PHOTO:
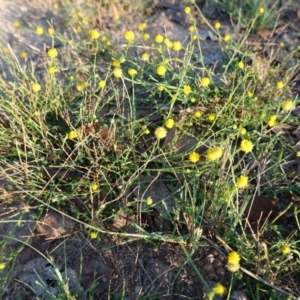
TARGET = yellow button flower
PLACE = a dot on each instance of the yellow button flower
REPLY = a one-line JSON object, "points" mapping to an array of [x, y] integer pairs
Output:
{"points": [[177, 46], [35, 87], [246, 146], [160, 132], [280, 85], [132, 72], [94, 187], [219, 289], [93, 235], [129, 36], [217, 25], [52, 53], [285, 250], [169, 123], [159, 39], [118, 73], [187, 89], [214, 154], [94, 34], [39, 30], [194, 157], [161, 70], [72, 135], [288, 105], [204, 81], [242, 182]]}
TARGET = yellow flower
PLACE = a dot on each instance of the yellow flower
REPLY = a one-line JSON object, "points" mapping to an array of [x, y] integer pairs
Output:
{"points": [[72, 135], [94, 187], [168, 43], [159, 39], [272, 121], [243, 131], [226, 38], [142, 26], [169, 123], [250, 94], [102, 83], [146, 36], [51, 70], [204, 81], [149, 201], [242, 182], [79, 15], [187, 89], [285, 250], [194, 157], [55, 5], [281, 44], [233, 258], [129, 36], [145, 129], [280, 85], [197, 114], [187, 10], [70, 42], [93, 235], [233, 267], [23, 54], [298, 154], [161, 70], [211, 117], [193, 99], [160, 132], [17, 23], [214, 154], [78, 28], [160, 88], [261, 10], [241, 65], [118, 72], [177, 46], [217, 25], [195, 37], [94, 34], [2, 266], [246, 146], [116, 17], [50, 31], [219, 289], [132, 72], [52, 53], [288, 105], [145, 57], [116, 63], [39, 30], [192, 28], [36, 87]]}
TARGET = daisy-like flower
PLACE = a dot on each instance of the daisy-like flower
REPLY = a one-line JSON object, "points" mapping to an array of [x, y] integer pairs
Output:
{"points": [[194, 157], [94, 34], [51, 70], [279, 85], [187, 89], [39, 30], [118, 72], [72, 135], [149, 201], [226, 38], [145, 57], [177, 46], [93, 235], [102, 83], [218, 25], [242, 182], [241, 65], [197, 114], [129, 36], [219, 289], [169, 123], [233, 260], [214, 154], [52, 53], [161, 70], [132, 72], [272, 121], [94, 187], [35, 87], [204, 81], [285, 250], [211, 117], [187, 10], [288, 105], [246, 146], [146, 36], [159, 39], [142, 26], [160, 132]]}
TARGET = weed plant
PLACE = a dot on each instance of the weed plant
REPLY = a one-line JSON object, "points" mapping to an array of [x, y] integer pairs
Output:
{"points": [[96, 115]]}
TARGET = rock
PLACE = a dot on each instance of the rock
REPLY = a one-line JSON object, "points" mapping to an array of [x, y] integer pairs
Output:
{"points": [[238, 295], [157, 278], [54, 225]]}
